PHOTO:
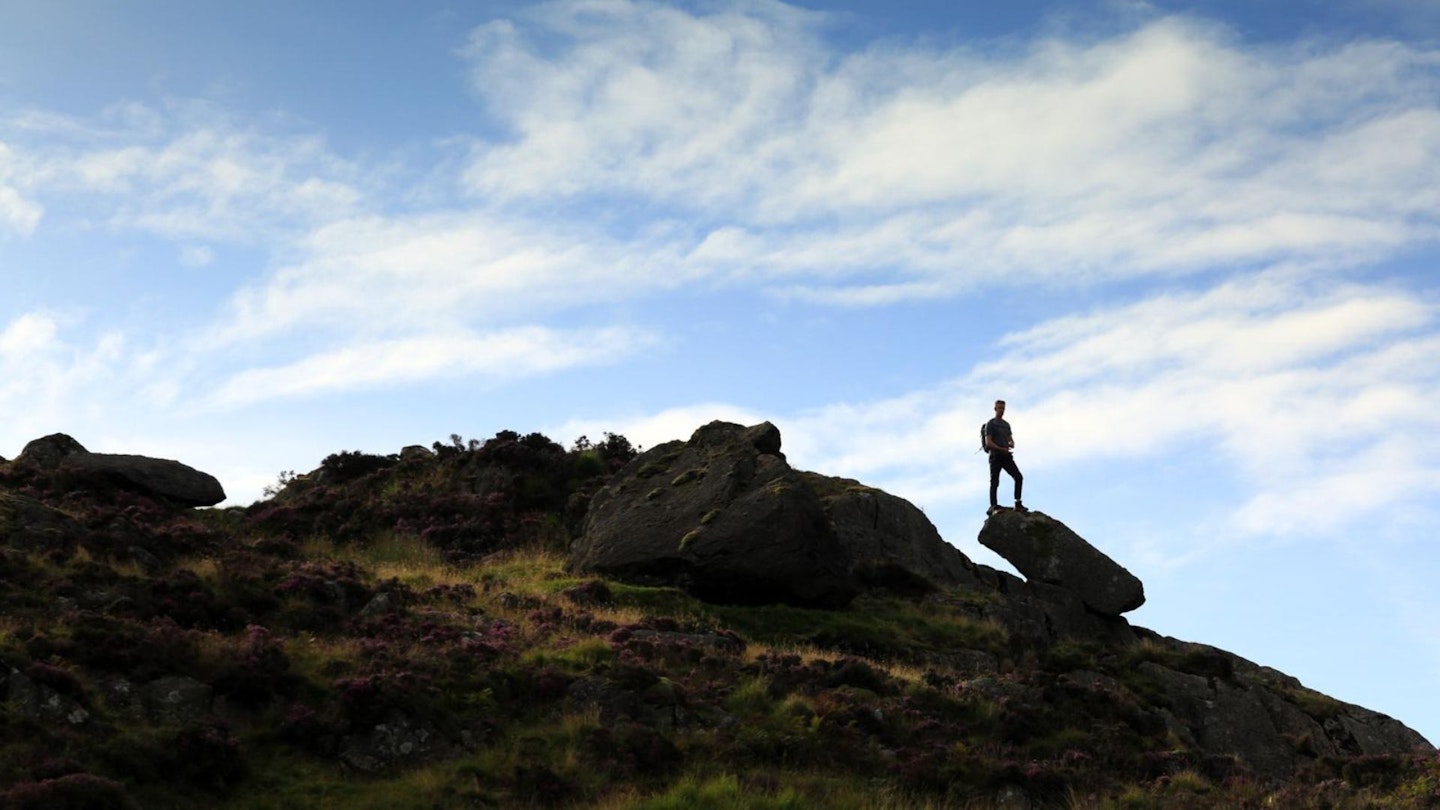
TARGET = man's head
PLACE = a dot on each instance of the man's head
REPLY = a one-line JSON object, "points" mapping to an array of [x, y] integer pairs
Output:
{"points": [[999, 407]]}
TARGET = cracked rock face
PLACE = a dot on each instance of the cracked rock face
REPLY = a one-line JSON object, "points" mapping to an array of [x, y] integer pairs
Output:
{"points": [[721, 515], [1046, 550], [725, 516]]}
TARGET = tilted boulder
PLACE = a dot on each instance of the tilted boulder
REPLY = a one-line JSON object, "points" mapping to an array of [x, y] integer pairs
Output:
{"points": [[722, 515], [156, 476], [1044, 549]]}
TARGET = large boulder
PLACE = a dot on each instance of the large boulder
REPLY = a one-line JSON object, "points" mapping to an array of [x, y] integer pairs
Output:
{"points": [[722, 515], [727, 517], [1044, 549], [156, 476], [888, 538]]}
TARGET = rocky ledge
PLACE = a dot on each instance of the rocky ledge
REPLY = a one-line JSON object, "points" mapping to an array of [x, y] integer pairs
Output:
{"points": [[160, 477]]}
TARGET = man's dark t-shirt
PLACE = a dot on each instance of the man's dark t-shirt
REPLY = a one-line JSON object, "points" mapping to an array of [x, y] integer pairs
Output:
{"points": [[999, 432]]}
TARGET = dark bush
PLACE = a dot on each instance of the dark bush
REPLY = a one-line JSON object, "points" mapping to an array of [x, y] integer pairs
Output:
{"points": [[208, 756], [76, 791], [62, 681], [344, 467]]}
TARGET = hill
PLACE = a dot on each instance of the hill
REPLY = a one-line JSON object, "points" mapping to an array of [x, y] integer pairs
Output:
{"points": [[419, 630]]}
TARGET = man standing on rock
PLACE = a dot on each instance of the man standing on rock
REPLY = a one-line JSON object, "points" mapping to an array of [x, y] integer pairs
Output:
{"points": [[1000, 444]]}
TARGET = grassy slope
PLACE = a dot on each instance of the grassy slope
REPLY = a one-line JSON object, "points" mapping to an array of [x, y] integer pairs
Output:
{"points": [[490, 648]]}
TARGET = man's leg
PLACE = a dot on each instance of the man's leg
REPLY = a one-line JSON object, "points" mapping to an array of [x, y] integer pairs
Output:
{"points": [[1014, 473], [995, 465]]}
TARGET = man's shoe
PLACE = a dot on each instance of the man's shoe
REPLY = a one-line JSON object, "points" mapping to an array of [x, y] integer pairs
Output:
{"points": [[1020, 507], [992, 510]]}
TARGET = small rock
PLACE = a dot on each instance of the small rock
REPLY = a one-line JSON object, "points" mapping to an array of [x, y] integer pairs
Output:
{"points": [[398, 738], [48, 451], [379, 605], [177, 699]]}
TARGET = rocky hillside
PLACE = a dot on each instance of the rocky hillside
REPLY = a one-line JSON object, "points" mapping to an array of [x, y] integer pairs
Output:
{"points": [[512, 623]]}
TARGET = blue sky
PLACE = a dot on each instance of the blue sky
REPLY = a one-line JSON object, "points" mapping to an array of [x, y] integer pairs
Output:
{"points": [[1193, 245]]}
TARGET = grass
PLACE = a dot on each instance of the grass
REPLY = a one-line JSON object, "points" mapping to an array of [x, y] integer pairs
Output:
{"points": [[880, 628], [786, 723]]}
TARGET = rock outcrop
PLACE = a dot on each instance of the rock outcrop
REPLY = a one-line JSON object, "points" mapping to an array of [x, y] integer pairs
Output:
{"points": [[156, 476], [722, 515], [28, 525], [1044, 549], [888, 539], [725, 516]]}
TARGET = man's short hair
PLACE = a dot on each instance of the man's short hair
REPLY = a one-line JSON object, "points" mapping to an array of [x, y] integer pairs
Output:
{"points": [[999, 402]]}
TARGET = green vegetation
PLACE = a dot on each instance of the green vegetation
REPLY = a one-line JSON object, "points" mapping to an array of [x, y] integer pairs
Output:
{"points": [[403, 632]]}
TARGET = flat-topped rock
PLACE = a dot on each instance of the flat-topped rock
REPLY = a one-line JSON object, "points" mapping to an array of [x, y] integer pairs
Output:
{"points": [[157, 476]]}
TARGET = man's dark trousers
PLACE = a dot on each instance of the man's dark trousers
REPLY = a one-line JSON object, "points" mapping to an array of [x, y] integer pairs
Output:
{"points": [[1000, 460]]}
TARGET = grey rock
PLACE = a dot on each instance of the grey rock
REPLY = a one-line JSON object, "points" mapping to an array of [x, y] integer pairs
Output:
{"points": [[39, 702], [145, 559], [880, 531], [157, 476], [388, 744], [724, 516], [416, 452], [30, 526], [972, 662], [398, 739], [1359, 730], [721, 517], [731, 645], [176, 699], [1044, 549], [1249, 717], [120, 696], [379, 605], [47, 452]]}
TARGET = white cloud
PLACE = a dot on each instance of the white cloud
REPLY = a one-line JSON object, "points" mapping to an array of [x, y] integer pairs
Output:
{"points": [[1318, 396], [379, 274], [1162, 150], [502, 355], [51, 381], [186, 171], [649, 148], [196, 255], [17, 213], [648, 430], [26, 337]]}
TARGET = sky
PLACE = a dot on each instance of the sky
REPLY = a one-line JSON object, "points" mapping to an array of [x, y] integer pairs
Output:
{"points": [[1194, 245]]}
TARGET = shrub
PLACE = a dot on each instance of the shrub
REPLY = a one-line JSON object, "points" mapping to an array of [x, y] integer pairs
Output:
{"points": [[207, 755], [76, 791], [344, 467]]}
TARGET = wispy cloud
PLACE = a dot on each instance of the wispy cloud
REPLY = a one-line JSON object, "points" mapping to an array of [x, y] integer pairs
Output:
{"points": [[185, 170], [1316, 395], [17, 214], [51, 379], [639, 148], [647, 430], [383, 274], [507, 354], [1164, 149]]}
